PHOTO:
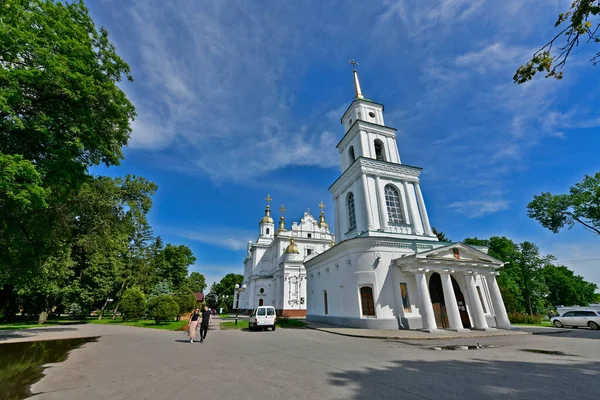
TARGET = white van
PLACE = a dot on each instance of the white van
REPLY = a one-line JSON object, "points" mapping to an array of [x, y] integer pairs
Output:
{"points": [[262, 317]]}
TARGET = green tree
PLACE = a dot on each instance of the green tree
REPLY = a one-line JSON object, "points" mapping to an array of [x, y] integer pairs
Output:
{"points": [[196, 282], [186, 301], [529, 276], [580, 206], [580, 22], [133, 303], [441, 235], [162, 287], [225, 287], [61, 112], [174, 264], [163, 308], [567, 289]]}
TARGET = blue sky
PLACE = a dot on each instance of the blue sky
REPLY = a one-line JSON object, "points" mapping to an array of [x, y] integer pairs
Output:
{"points": [[240, 99]]}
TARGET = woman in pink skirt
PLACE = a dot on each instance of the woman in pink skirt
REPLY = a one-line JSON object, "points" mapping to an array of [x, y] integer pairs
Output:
{"points": [[193, 323]]}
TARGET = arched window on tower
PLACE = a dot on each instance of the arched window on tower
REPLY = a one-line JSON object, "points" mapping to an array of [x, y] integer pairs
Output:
{"points": [[379, 153], [351, 212], [351, 154], [394, 205], [268, 231]]}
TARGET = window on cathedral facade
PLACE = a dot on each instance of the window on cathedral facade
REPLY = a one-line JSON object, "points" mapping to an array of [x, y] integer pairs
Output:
{"points": [[326, 306], [366, 300], [268, 231], [379, 150], [351, 212], [351, 154], [394, 205]]}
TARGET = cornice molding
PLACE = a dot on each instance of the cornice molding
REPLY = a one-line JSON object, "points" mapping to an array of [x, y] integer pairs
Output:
{"points": [[369, 127], [369, 166]]}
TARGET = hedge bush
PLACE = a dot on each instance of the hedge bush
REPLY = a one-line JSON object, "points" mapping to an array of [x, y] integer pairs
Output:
{"points": [[186, 301], [163, 308], [522, 318], [133, 303]]}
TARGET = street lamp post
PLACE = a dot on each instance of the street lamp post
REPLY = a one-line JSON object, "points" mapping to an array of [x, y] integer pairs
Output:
{"points": [[238, 290]]}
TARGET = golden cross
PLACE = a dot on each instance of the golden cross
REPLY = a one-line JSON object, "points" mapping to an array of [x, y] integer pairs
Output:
{"points": [[322, 206], [354, 63], [282, 209], [268, 199]]}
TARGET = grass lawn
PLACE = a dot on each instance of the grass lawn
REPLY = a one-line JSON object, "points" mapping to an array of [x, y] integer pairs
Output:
{"points": [[242, 324], [545, 324], [226, 316], [140, 323], [290, 323]]}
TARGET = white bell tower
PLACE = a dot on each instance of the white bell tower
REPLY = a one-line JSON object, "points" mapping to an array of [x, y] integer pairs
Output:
{"points": [[376, 195]]}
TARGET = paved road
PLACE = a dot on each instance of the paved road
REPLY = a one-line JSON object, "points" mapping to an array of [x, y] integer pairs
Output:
{"points": [[133, 363]]}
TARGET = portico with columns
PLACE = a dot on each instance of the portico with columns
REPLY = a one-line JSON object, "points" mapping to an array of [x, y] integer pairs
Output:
{"points": [[471, 296], [388, 270]]}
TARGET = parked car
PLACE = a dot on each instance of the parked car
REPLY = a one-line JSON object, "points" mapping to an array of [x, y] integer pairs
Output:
{"points": [[262, 317], [577, 319]]}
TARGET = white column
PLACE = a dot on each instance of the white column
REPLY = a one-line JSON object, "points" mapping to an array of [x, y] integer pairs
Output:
{"points": [[412, 208], [364, 144], [383, 217], [425, 308], [359, 206], [451, 304], [501, 315], [369, 209], [341, 219], [476, 308], [423, 210]]}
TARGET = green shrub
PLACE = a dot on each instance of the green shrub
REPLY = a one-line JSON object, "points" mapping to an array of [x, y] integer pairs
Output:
{"points": [[133, 303], [163, 308], [186, 301], [522, 318]]}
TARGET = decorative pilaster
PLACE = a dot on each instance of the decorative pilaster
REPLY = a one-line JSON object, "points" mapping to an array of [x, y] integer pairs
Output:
{"points": [[425, 308], [368, 208], [340, 228], [383, 217], [423, 210], [476, 308], [451, 304], [501, 316], [412, 208]]}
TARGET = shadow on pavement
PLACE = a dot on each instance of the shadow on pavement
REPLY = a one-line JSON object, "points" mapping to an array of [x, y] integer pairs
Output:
{"points": [[477, 379], [25, 333]]}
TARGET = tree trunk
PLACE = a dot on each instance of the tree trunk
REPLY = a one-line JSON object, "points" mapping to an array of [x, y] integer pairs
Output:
{"points": [[119, 300], [116, 309], [102, 309], [43, 317]]}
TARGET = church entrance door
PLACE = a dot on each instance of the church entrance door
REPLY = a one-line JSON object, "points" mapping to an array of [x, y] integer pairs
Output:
{"points": [[260, 302], [437, 300], [439, 305]]}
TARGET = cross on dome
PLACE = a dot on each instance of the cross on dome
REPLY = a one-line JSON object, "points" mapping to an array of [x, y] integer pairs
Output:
{"points": [[359, 94]]}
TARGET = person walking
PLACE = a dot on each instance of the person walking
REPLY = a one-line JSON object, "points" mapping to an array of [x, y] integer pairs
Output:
{"points": [[192, 324], [205, 321]]}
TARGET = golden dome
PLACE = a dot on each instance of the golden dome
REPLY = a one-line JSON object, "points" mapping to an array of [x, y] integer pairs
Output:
{"points": [[292, 248], [266, 220], [322, 223]]}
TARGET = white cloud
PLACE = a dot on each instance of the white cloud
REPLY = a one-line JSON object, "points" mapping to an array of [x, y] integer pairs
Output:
{"points": [[479, 208], [494, 57], [230, 239]]}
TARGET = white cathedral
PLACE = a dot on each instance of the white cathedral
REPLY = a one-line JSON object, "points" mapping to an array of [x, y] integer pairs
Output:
{"points": [[387, 270]]}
